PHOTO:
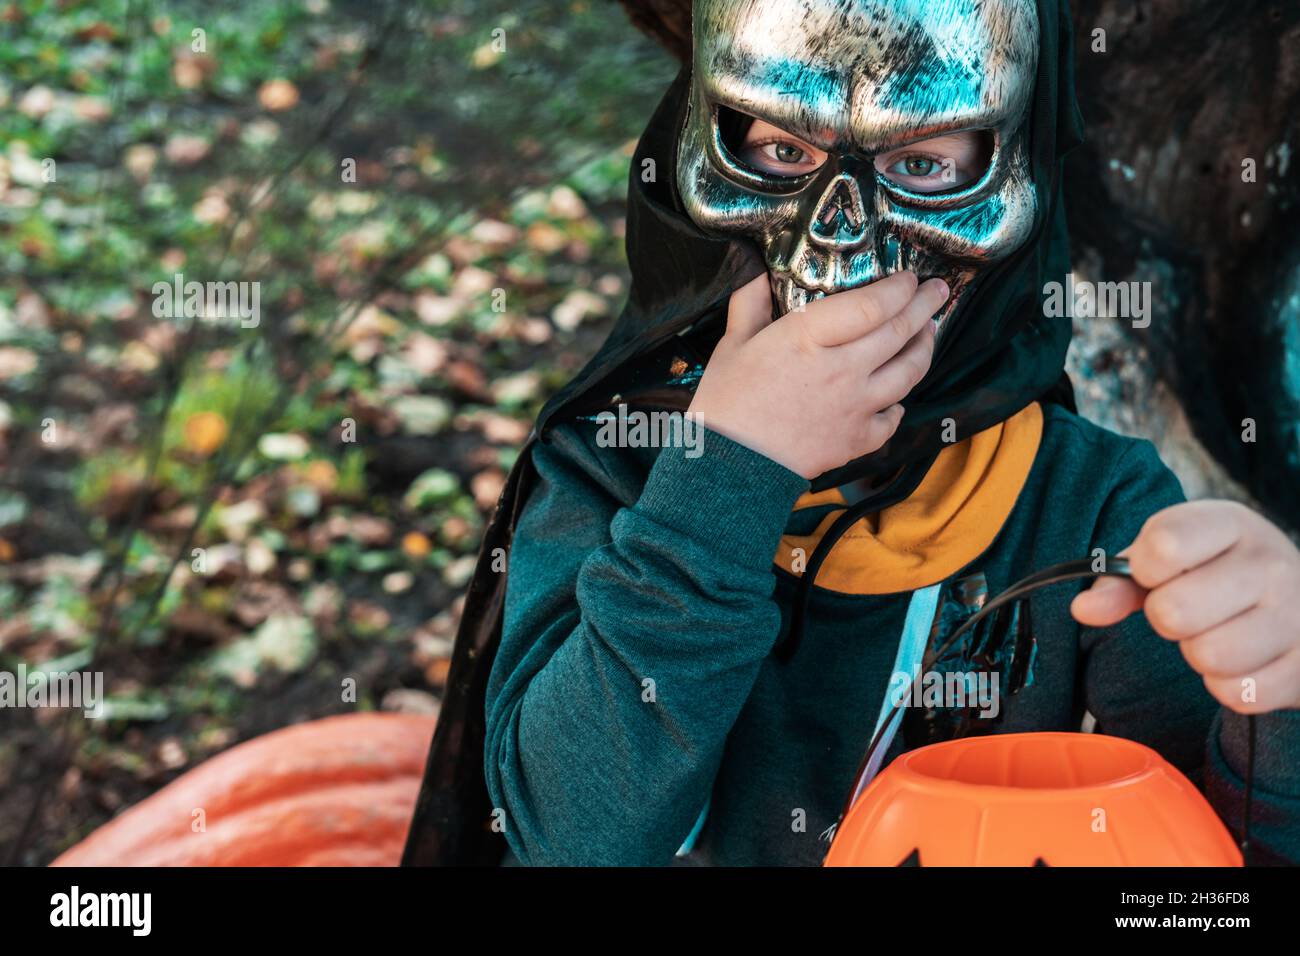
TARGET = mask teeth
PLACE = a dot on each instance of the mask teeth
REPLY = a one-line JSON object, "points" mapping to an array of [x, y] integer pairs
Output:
{"points": [[788, 291], [799, 297]]}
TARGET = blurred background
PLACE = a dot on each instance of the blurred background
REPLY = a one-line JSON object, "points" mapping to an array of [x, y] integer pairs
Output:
{"points": [[248, 527], [328, 471]]}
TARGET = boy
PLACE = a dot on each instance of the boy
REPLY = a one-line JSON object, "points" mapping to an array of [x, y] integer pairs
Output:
{"points": [[694, 647]]}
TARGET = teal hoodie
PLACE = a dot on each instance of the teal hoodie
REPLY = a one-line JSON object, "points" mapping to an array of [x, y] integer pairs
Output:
{"points": [[635, 682]]}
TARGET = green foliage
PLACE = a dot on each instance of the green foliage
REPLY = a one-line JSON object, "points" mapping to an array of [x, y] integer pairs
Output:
{"points": [[484, 162]]}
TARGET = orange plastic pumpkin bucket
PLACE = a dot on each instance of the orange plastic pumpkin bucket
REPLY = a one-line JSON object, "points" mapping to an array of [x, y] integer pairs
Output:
{"points": [[1055, 799]]}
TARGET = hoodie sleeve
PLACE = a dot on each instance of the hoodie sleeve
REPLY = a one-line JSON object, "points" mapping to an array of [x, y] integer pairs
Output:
{"points": [[1138, 685], [633, 633]]}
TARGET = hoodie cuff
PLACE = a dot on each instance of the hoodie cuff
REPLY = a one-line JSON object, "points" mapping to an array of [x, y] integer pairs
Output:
{"points": [[1277, 749], [728, 497]]}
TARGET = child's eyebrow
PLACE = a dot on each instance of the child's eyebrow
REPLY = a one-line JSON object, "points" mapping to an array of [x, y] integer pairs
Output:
{"points": [[774, 130]]}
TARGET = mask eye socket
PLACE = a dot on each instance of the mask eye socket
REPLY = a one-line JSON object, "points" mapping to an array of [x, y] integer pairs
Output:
{"points": [[945, 163], [765, 149]]}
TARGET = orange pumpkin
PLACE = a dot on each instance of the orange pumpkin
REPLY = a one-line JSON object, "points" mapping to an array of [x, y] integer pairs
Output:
{"points": [[1052, 799], [333, 792]]}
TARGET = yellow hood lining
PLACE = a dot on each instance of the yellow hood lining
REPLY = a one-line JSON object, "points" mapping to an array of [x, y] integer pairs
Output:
{"points": [[947, 522]]}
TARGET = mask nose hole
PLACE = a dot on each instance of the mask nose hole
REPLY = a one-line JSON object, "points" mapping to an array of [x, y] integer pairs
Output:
{"points": [[840, 221]]}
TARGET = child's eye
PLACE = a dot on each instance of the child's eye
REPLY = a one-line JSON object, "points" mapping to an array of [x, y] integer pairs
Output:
{"points": [[939, 164], [917, 166], [786, 152], [926, 173], [779, 157], [774, 151]]}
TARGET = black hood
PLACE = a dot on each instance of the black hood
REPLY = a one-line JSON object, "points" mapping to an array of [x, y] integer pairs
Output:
{"points": [[1000, 353]]}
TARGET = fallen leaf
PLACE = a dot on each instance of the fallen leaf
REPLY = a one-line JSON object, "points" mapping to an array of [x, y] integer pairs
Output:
{"points": [[467, 378], [368, 617], [283, 641], [422, 414], [486, 488], [171, 755], [577, 306], [424, 353], [545, 238], [15, 361], [321, 475], [502, 429], [437, 671], [187, 74], [471, 282], [186, 150], [564, 203], [436, 309], [205, 432], [259, 558], [283, 447], [455, 531], [235, 520], [36, 102], [369, 530], [193, 620], [407, 700], [458, 572], [397, 582], [432, 487], [494, 235], [212, 209], [278, 95], [92, 109], [416, 545], [516, 389], [99, 30]]}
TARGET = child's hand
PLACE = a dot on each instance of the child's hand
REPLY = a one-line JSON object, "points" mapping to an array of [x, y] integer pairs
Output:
{"points": [[1225, 584], [819, 388]]}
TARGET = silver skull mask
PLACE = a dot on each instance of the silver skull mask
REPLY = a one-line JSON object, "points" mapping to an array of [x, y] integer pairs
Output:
{"points": [[858, 79]]}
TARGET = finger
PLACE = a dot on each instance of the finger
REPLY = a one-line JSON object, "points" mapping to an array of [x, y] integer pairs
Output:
{"points": [[1206, 596], [890, 337], [1107, 602], [896, 378], [880, 427], [849, 315], [1271, 688], [749, 310], [1180, 538], [1239, 647]]}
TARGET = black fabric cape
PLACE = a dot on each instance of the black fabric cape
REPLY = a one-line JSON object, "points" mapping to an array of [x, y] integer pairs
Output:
{"points": [[1000, 354]]}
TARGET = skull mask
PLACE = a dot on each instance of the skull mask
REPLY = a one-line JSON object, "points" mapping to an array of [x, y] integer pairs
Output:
{"points": [[858, 79]]}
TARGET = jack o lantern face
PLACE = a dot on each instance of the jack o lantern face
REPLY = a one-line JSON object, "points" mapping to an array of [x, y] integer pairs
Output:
{"points": [[1037, 799], [914, 859]]}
